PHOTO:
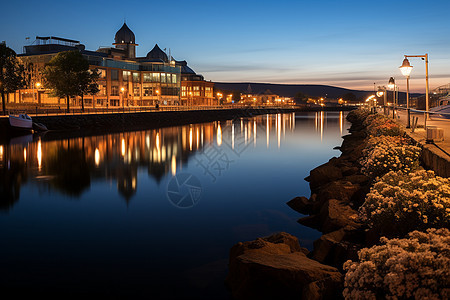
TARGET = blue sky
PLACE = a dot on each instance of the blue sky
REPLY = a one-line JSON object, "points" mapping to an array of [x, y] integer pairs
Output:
{"points": [[351, 44]]}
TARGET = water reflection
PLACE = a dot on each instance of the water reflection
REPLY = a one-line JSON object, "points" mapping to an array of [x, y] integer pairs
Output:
{"points": [[69, 165]]}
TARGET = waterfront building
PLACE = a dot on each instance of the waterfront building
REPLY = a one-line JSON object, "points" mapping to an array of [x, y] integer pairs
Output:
{"points": [[125, 80]]}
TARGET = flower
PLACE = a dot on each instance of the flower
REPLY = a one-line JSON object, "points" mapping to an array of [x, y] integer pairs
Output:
{"points": [[414, 267]]}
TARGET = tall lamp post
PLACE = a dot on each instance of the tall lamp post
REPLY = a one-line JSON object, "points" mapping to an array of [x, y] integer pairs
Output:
{"points": [[392, 85], [382, 93], [427, 88], [406, 69]]}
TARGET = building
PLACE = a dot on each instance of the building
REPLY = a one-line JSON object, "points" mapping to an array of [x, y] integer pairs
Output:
{"points": [[125, 80]]}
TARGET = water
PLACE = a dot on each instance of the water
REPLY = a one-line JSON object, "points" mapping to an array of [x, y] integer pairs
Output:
{"points": [[153, 213]]}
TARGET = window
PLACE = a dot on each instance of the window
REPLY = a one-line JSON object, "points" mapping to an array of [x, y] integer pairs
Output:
{"points": [[100, 101], [126, 75], [174, 78], [163, 77], [196, 91], [147, 77], [208, 91], [136, 89], [102, 89], [183, 91], [169, 78], [102, 73], [155, 77], [136, 77], [147, 90], [114, 90], [114, 74]]}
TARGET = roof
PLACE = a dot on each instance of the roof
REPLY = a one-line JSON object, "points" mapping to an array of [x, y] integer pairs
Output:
{"points": [[157, 53], [124, 35]]}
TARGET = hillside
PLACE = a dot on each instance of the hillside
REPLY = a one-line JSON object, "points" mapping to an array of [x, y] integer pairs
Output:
{"points": [[289, 90]]}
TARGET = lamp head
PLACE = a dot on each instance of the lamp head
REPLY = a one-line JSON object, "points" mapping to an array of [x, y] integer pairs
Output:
{"points": [[406, 68], [391, 83]]}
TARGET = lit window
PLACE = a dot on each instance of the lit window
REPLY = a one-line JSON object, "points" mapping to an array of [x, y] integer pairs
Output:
{"points": [[114, 90]]}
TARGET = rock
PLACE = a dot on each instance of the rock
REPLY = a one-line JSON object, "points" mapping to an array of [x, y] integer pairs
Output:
{"points": [[312, 221], [324, 174], [301, 205], [262, 269], [336, 214], [357, 179], [326, 245], [341, 190], [349, 170]]}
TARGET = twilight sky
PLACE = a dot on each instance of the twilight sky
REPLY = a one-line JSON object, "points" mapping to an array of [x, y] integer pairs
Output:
{"points": [[345, 43]]}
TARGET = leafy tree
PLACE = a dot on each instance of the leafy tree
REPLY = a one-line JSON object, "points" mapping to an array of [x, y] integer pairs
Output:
{"points": [[12, 73], [88, 84], [68, 75]]}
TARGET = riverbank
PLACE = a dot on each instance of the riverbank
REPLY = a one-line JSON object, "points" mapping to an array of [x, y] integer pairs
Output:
{"points": [[375, 198], [93, 124], [278, 265]]}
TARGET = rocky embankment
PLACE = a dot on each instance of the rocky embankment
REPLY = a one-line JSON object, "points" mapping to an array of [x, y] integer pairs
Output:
{"points": [[277, 267]]}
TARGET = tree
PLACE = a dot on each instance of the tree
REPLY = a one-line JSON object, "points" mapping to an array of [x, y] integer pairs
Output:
{"points": [[12, 73], [88, 84], [68, 75]]}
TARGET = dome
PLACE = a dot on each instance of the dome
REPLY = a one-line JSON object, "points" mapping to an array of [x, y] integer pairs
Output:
{"points": [[124, 35], [157, 53]]}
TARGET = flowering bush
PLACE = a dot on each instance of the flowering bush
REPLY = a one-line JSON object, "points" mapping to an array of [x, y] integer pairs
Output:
{"points": [[358, 115], [378, 124], [383, 154], [400, 203], [415, 267]]}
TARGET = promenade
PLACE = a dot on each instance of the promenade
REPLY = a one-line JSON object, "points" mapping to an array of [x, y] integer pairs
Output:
{"points": [[436, 154]]}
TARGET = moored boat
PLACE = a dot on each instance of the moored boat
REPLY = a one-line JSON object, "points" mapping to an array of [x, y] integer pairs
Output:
{"points": [[22, 122]]}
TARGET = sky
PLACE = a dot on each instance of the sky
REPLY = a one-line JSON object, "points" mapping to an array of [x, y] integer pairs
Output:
{"points": [[350, 44]]}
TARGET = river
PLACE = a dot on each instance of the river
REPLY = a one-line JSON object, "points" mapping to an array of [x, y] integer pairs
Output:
{"points": [[153, 213]]}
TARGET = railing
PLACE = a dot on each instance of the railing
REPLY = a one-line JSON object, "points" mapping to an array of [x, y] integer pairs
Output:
{"points": [[413, 116], [57, 111]]}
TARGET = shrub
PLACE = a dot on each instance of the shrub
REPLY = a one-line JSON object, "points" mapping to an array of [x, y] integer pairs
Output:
{"points": [[415, 267], [378, 124], [400, 203], [358, 115], [383, 154]]}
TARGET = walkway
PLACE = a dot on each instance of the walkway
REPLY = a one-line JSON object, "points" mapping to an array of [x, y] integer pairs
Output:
{"points": [[436, 155]]}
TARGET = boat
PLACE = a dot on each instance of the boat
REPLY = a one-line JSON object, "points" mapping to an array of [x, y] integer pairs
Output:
{"points": [[442, 110], [22, 122]]}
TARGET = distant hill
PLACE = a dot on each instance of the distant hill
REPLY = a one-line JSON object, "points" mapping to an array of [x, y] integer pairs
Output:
{"points": [[289, 90]]}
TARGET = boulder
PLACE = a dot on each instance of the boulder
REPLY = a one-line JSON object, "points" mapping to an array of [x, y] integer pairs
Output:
{"points": [[337, 247], [273, 268], [301, 205], [323, 174], [336, 214], [341, 190]]}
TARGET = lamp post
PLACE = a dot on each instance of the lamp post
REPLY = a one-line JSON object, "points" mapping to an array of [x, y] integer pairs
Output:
{"points": [[382, 92], [406, 69], [392, 85], [427, 88], [157, 99], [122, 89]]}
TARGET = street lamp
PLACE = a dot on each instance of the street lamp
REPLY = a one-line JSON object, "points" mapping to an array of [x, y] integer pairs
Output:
{"points": [[392, 86], [122, 89], [406, 69], [427, 88], [157, 99]]}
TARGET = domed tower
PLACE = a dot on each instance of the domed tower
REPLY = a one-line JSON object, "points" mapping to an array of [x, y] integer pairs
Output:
{"points": [[125, 40], [157, 53]]}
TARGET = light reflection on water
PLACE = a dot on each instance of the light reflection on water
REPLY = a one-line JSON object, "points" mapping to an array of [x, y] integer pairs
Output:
{"points": [[247, 168]]}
